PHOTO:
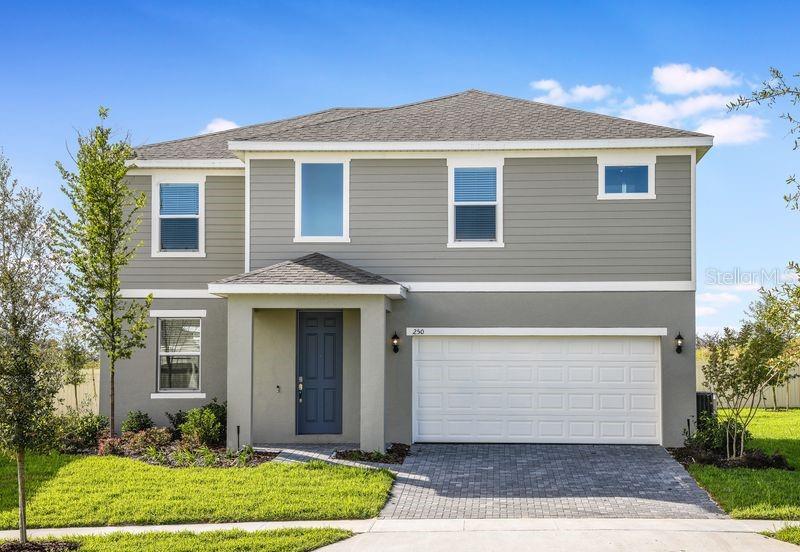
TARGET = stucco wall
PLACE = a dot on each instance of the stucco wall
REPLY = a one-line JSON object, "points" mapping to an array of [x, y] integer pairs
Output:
{"points": [[673, 310], [274, 357], [136, 377]]}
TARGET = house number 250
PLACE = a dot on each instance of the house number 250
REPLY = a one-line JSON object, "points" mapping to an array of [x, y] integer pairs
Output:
{"points": [[417, 331]]}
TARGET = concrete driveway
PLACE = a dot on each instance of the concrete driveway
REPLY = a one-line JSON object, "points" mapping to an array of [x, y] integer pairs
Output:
{"points": [[545, 481]]}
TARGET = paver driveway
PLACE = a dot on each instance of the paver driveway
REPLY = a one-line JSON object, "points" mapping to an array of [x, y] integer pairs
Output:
{"points": [[515, 481]]}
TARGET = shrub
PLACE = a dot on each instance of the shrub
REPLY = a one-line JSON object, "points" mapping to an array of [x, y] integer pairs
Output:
{"points": [[176, 420], [110, 446], [711, 435], [136, 421], [202, 427], [140, 441], [76, 432]]}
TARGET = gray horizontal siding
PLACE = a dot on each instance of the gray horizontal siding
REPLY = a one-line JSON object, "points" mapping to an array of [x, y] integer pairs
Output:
{"points": [[224, 210], [555, 227]]}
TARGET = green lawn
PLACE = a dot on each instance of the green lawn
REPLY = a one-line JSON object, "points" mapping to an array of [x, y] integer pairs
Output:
{"points": [[760, 494], [788, 534], [281, 540], [69, 491]]}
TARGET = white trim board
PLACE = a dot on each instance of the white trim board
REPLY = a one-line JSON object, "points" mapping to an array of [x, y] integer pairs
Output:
{"points": [[178, 313], [177, 395], [167, 294], [524, 287], [514, 331], [390, 290], [483, 145]]}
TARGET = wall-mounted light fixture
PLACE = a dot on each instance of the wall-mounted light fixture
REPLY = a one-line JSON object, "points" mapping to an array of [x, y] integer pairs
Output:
{"points": [[679, 343], [395, 343]]}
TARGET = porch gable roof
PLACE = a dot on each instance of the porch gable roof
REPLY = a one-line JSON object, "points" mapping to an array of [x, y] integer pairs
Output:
{"points": [[311, 274]]}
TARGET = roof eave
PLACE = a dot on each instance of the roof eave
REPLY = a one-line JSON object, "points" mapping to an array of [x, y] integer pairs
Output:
{"points": [[482, 145], [393, 291], [185, 164]]}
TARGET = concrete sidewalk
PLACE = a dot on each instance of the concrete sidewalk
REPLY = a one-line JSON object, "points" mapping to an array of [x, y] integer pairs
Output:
{"points": [[703, 535]]}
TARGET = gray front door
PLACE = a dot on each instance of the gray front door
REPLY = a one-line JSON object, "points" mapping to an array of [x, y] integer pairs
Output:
{"points": [[319, 372]]}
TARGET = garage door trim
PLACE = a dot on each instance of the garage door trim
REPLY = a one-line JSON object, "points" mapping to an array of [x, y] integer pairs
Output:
{"points": [[416, 331]]}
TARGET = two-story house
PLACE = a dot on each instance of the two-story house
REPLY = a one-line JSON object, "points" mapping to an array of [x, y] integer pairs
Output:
{"points": [[471, 268]]}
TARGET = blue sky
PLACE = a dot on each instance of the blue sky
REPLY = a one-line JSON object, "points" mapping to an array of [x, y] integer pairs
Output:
{"points": [[169, 69]]}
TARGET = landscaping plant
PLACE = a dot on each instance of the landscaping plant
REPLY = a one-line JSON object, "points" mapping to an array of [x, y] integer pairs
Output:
{"points": [[75, 357], [98, 241], [77, 431], [30, 375], [136, 421], [741, 364]]}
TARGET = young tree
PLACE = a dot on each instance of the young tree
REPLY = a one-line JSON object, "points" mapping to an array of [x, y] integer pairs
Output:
{"points": [[75, 357], [98, 242], [29, 302], [740, 366], [770, 91]]}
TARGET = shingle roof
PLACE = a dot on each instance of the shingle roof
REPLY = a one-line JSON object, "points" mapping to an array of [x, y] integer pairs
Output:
{"points": [[215, 145], [472, 115], [313, 269]]}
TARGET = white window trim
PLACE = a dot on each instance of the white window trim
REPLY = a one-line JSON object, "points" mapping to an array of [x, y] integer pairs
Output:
{"points": [[298, 200], [177, 395], [172, 315], [155, 217], [454, 163], [631, 159]]}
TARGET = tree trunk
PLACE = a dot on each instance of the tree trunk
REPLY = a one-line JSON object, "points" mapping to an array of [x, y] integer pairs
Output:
{"points": [[112, 367], [94, 382], [23, 524], [75, 387]]}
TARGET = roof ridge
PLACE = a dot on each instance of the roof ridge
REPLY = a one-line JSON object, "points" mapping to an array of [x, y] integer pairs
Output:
{"points": [[383, 110], [245, 127], [582, 111]]}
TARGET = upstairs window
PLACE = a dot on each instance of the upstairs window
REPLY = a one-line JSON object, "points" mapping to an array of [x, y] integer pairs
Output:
{"points": [[475, 206], [178, 225], [631, 180], [321, 210]]}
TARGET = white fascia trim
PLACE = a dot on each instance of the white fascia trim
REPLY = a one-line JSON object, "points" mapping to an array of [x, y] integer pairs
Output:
{"points": [[499, 287], [693, 141], [626, 159], [185, 164], [167, 294], [393, 291], [246, 213], [177, 313], [171, 177], [512, 331], [298, 200], [177, 395]]}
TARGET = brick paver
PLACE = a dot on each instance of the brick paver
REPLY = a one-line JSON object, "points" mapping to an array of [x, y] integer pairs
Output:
{"points": [[518, 481], [533, 481]]}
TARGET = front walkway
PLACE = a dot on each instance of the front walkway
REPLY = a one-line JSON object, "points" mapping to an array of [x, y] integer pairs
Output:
{"points": [[536, 481], [588, 535]]}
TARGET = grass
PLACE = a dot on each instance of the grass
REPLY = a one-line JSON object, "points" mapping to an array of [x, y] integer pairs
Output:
{"points": [[70, 491], [281, 540], [787, 534], [760, 494]]}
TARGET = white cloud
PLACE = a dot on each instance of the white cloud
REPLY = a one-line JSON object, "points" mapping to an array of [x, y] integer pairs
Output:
{"points": [[737, 129], [682, 78], [705, 311], [556, 94], [659, 112], [218, 124], [722, 298]]}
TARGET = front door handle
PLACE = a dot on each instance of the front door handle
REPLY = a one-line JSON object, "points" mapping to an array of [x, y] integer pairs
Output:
{"points": [[300, 390]]}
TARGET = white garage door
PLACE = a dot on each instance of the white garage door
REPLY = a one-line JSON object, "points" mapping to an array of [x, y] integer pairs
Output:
{"points": [[535, 389]]}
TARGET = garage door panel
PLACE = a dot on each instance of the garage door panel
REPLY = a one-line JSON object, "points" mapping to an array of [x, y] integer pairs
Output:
{"points": [[603, 390]]}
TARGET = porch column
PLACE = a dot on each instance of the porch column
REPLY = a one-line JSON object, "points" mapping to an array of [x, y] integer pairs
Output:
{"points": [[240, 371], [373, 366]]}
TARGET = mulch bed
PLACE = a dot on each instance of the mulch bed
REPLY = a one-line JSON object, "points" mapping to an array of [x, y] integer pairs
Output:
{"points": [[395, 454], [38, 546], [753, 459]]}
